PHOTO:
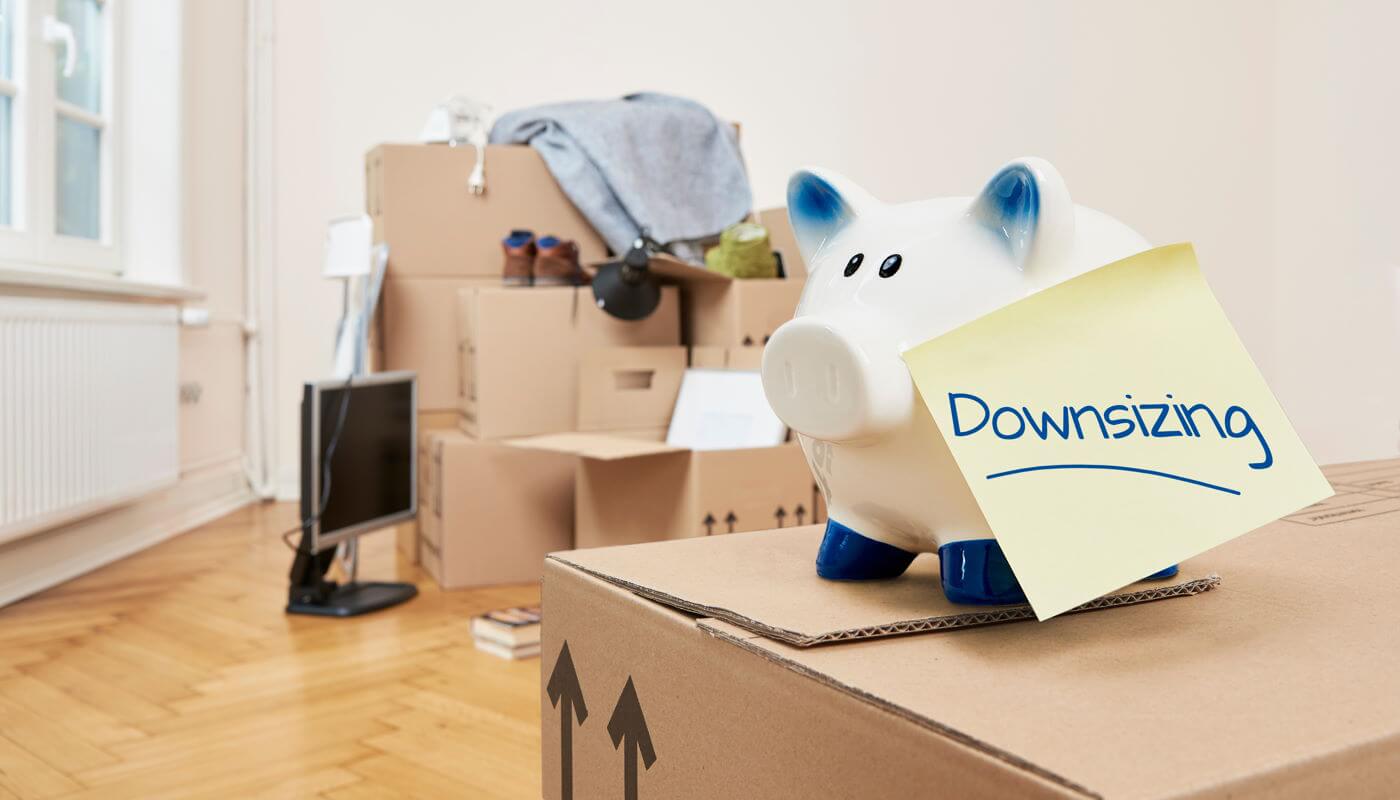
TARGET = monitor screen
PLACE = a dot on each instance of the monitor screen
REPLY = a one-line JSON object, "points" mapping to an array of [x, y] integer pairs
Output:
{"points": [[370, 472]]}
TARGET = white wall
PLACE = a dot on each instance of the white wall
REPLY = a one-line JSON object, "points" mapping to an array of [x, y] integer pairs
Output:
{"points": [[1181, 119], [212, 170], [1337, 226]]}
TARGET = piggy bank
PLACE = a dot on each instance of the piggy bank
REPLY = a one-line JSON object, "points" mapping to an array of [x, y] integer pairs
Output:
{"points": [[885, 278]]}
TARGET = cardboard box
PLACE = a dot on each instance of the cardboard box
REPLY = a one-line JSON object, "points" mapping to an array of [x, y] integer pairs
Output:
{"points": [[738, 312], [439, 420], [722, 311], [698, 659], [715, 357], [493, 512], [407, 535], [630, 490], [629, 390], [520, 350], [426, 473], [633, 487], [783, 241], [417, 196], [636, 498], [406, 540], [419, 334]]}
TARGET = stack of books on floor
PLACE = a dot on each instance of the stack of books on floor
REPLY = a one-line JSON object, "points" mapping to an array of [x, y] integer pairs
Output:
{"points": [[508, 632]]}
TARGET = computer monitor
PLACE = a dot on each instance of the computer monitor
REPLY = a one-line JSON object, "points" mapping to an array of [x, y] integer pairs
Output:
{"points": [[358, 474], [358, 455]]}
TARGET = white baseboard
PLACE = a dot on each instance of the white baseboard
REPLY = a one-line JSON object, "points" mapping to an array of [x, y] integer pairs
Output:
{"points": [[46, 559]]}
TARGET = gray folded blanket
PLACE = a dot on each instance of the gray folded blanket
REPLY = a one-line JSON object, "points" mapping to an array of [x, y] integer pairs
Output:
{"points": [[647, 161]]}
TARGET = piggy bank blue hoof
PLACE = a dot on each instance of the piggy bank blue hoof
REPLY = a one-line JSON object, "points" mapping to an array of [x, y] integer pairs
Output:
{"points": [[847, 556], [1169, 572], [976, 572]]}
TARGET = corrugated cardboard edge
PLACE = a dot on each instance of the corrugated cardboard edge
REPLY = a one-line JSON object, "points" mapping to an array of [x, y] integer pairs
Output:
{"points": [[726, 632], [988, 616], [999, 614]]}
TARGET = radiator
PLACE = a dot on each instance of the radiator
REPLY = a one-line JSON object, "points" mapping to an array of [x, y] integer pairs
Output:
{"points": [[89, 408]]}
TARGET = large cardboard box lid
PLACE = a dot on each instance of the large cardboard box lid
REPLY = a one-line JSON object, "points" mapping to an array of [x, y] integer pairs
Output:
{"points": [[766, 583], [1279, 683]]}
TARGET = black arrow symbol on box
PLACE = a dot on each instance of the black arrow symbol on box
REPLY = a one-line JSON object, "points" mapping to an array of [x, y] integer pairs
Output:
{"points": [[630, 725], [729, 520], [563, 686], [780, 515], [709, 523], [799, 512]]}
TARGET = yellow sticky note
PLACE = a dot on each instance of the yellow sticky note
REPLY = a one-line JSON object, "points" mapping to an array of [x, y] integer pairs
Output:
{"points": [[1111, 426]]}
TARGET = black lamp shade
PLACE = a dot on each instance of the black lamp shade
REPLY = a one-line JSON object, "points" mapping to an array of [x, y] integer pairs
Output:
{"points": [[626, 292]]}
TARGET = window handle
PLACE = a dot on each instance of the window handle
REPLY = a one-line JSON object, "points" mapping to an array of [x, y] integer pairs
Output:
{"points": [[59, 32]]}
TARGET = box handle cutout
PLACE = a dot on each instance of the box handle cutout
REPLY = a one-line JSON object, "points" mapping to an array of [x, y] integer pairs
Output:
{"points": [[633, 380]]}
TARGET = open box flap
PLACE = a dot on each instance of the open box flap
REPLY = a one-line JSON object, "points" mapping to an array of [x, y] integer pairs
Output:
{"points": [[670, 268], [601, 446], [766, 582]]}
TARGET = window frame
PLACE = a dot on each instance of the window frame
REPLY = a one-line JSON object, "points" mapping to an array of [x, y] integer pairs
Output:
{"points": [[32, 239]]}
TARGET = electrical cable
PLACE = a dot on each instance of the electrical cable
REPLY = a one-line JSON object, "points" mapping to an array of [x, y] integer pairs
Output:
{"points": [[325, 471]]}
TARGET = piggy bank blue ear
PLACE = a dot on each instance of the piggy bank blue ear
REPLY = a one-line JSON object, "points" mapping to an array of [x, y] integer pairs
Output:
{"points": [[1027, 206], [820, 204]]}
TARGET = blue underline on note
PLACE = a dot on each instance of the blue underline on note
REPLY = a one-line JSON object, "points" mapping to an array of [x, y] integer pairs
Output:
{"points": [[1117, 468]]}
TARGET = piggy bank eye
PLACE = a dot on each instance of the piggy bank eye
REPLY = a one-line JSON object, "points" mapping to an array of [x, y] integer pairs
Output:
{"points": [[854, 264], [890, 266]]}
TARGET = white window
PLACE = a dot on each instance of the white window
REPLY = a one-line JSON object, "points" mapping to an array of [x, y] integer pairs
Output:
{"points": [[58, 140]]}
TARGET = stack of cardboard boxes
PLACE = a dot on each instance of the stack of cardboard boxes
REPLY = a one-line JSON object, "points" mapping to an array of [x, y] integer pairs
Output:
{"points": [[542, 418]]}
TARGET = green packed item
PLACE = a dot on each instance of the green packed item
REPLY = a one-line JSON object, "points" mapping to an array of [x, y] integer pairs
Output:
{"points": [[743, 252]]}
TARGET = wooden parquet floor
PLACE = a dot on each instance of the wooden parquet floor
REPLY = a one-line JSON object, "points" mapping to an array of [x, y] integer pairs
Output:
{"points": [[175, 674]]}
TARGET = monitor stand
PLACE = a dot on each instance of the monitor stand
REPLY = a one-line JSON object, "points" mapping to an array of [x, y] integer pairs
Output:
{"points": [[310, 593], [353, 599]]}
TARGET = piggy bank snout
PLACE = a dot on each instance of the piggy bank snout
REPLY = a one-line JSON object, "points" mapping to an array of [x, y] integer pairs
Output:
{"points": [[827, 381]]}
